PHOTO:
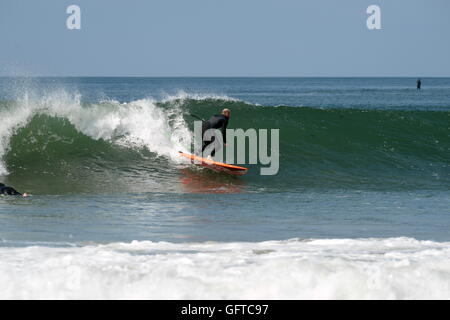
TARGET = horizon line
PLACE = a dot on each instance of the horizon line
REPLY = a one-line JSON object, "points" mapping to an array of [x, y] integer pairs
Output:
{"points": [[223, 77]]}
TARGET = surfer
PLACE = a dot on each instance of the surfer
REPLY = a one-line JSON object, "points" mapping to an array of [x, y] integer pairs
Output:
{"points": [[218, 121], [418, 84], [9, 191]]}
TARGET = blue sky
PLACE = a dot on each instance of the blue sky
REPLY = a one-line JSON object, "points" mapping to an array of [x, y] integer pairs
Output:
{"points": [[225, 38]]}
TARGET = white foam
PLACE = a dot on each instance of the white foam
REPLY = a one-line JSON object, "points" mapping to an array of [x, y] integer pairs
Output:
{"points": [[12, 118], [398, 268], [138, 123], [183, 96]]}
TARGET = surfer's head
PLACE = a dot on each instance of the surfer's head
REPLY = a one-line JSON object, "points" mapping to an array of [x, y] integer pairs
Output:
{"points": [[226, 112]]}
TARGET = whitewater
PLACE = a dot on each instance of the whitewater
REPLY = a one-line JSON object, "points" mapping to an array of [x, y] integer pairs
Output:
{"points": [[393, 268]]}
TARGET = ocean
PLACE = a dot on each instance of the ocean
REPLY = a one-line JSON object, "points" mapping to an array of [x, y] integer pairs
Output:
{"points": [[359, 209]]}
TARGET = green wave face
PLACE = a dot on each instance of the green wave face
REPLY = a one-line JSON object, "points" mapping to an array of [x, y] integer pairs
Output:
{"points": [[353, 148], [62, 152]]}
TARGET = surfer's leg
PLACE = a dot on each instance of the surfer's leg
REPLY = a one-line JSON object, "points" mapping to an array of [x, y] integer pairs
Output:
{"points": [[216, 143], [208, 138], [213, 139], [205, 144]]}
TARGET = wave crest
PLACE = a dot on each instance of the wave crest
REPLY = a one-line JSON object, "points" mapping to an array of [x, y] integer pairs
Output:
{"points": [[140, 123]]}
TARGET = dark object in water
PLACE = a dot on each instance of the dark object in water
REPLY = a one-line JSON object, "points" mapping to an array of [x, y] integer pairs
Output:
{"points": [[8, 191]]}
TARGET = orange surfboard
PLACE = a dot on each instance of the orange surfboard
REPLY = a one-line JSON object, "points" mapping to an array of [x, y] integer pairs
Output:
{"points": [[214, 165]]}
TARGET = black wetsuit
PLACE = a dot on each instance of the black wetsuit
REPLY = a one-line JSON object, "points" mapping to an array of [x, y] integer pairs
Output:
{"points": [[419, 84], [218, 121], [8, 191]]}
